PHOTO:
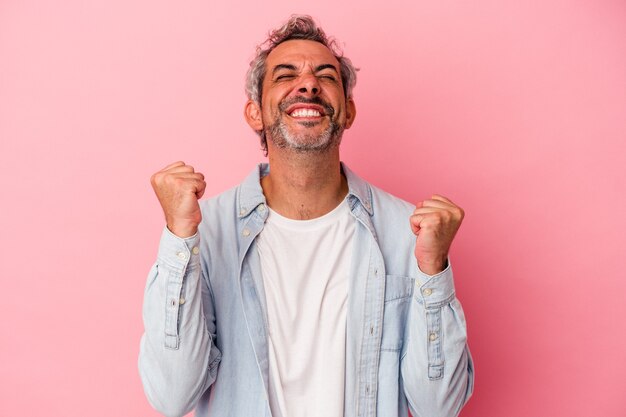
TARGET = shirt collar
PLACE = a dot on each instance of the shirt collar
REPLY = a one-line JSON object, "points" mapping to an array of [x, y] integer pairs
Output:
{"points": [[251, 193], [358, 190]]}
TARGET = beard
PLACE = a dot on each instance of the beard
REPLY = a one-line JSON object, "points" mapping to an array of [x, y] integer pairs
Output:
{"points": [[280, 135]]}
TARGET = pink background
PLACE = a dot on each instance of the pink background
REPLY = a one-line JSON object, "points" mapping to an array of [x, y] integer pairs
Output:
{"points": [[516, 111]]}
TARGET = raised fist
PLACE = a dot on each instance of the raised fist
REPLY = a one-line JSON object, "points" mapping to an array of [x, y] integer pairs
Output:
{"points": [[435, 222], [178, 188]]}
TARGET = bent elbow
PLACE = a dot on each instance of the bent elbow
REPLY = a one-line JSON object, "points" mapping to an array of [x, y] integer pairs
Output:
{"points": [[173, 387], [171, 407], [458, 390], [172, 399], [445, 396]]}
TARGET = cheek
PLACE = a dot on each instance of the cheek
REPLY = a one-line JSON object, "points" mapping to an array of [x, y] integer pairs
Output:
{"points": [[269, 114], [340, 112]]}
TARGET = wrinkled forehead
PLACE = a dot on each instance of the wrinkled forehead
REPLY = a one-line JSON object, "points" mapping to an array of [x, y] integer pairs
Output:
{"points": [[299, 52]]}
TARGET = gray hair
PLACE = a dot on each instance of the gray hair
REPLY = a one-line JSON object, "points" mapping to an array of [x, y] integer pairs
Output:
{"points": [[297, 27]]}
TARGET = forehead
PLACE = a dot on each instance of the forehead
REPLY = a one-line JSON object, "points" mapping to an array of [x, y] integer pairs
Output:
{"points": [[298, 52]]}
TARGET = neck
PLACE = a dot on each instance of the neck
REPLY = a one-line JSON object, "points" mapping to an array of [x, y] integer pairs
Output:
{"points": [[304, 186]]}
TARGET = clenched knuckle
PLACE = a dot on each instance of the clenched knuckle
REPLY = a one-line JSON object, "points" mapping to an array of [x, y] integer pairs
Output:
{"points": [[159, 178]]}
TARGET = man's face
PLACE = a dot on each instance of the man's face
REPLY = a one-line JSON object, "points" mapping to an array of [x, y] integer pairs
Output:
{"points": [[303, 106]]}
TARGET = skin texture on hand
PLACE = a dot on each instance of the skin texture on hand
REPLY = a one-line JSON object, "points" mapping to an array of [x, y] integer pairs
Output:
{"points": [[178, 188], [435, 222]]}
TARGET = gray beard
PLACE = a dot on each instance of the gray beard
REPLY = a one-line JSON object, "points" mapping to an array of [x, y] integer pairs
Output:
{"points": [[280, 136]]}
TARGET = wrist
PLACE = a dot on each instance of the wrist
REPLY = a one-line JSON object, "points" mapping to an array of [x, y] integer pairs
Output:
{"points": [[433, 267], [182, 230]]}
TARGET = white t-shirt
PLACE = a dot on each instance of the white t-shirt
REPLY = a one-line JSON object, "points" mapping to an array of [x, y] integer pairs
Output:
{"points": [[305, 266]]}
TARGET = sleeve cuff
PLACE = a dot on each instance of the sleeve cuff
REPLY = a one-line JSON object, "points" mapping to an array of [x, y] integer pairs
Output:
{"points": [[435, 290], [177, 252]]}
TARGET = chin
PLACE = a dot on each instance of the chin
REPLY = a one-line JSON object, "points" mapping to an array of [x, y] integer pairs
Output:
{"points": [[283, 136], [309, 143]]}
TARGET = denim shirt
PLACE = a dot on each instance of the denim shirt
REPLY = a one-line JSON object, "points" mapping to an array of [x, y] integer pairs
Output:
{"points": [[205, 344]]}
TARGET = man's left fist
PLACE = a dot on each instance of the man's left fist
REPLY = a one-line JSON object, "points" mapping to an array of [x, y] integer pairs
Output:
{"points": [[434, 222]]}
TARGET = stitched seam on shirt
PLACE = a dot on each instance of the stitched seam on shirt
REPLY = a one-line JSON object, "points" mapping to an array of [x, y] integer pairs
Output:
{"points": [[173, 266], [440, 304], [435, 347], [397, 299], [207, 278], [390, 350]]}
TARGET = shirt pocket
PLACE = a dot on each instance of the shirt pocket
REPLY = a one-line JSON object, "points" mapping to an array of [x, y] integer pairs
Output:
{"points": [[398, 293]]}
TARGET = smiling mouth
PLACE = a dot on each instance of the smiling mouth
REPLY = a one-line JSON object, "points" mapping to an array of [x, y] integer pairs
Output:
{"points": [[302, 113]]}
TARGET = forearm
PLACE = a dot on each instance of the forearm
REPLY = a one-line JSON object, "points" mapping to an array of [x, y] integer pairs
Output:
{"points": [[436, 366], [177, 358]]}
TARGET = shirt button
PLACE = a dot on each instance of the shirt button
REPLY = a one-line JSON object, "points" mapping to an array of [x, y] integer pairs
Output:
{"points": [[242, 211], [432, 337], [246, 232], [427, 292], [182, 255], [261, 207], [181, 301], [195, 250]]}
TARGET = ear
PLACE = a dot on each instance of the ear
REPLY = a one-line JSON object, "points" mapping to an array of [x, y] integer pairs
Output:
{"points": [[252, 114], [350, 113]]}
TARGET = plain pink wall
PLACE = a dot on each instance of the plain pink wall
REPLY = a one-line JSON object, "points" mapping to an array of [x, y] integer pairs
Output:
{"points": [[516, 111]]}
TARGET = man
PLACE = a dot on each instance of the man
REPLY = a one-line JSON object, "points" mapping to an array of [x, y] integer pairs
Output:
{"points": [[304, 291]]}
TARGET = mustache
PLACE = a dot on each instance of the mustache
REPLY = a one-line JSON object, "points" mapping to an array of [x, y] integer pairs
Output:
{"points": [[328, 109]]}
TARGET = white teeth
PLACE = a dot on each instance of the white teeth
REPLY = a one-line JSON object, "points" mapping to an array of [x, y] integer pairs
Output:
{"points": [[305, 113]]}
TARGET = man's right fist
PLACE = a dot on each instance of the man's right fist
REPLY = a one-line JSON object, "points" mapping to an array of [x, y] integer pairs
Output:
{"points": [[178, 189]]}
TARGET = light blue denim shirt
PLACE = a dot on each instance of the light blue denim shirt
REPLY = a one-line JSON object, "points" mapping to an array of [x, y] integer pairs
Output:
{"points": [[205, 343]]}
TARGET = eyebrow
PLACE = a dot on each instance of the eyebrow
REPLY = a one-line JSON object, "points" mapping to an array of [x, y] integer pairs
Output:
{"points": [[292, 67], [283, 66], [324, 66]]}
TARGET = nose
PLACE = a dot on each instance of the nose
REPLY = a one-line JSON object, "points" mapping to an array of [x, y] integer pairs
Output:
{"points": [[309, 85]]}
